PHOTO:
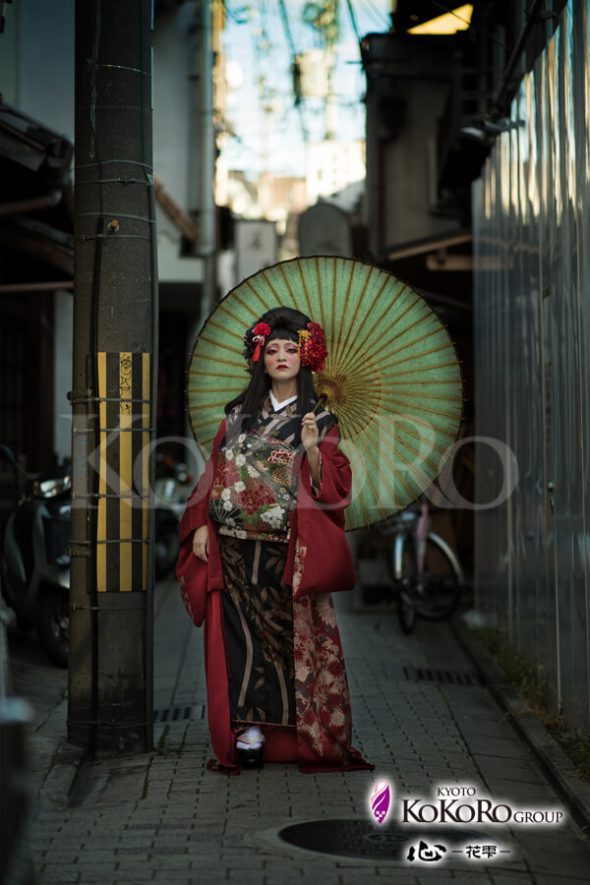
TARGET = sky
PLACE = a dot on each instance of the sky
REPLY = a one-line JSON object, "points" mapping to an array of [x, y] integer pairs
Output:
{"points": [[259, 56]]}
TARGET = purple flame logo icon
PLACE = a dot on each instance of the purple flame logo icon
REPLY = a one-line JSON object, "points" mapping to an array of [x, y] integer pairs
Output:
{"points": [[381, 801]]}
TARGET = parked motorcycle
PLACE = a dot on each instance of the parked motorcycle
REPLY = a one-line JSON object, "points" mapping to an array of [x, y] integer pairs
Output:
{"points": [[36, 562]]}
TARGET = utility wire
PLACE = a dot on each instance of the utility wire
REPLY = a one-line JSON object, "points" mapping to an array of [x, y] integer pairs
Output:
{"points": [[451, 12], [234, 15], [478, 30], [289, 35], [353, 20], [287, 27]]}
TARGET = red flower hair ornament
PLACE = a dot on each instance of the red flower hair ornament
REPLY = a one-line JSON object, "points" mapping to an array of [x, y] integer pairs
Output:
{"points": [[312, 347], [260, 333], [312, 344]]}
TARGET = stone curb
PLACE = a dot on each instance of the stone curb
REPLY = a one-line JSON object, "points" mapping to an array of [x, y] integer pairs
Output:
{"points": [[59, 783], [557, 766]]}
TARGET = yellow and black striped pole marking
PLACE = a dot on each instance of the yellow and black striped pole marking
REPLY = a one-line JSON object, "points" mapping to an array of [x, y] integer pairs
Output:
{"points": [[101, 527], [124, 471]]}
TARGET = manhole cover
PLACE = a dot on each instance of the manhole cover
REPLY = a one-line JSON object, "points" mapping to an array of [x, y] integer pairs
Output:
{"points": [[359, 838]]}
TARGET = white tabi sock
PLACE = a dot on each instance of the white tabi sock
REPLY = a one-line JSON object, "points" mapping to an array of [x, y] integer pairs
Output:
{"points": [[251, 739]]}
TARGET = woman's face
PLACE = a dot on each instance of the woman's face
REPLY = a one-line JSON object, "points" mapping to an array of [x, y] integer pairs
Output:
{"points": [[281, 359]]}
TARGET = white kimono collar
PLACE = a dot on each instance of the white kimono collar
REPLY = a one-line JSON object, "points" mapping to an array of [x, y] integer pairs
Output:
{"points": [[276, 405]]}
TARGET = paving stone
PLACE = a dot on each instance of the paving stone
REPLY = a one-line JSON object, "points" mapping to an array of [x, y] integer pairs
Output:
{"points": [[133, 876], [370, 877], [135, 840], [172, 861], [506, 878], [563, 879], [100, 869], [131, 855], [59, 857], [141, 864], [164, 876], [144, 829], [286, 877], [164, 817], [96, 855], [58, 873]]}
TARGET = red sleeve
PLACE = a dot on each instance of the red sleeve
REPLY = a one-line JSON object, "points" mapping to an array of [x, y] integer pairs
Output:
{"points": [[319, 558], [335, 483], [195, 514]]}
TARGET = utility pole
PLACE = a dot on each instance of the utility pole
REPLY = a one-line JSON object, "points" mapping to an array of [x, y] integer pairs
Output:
{"points": [[206, 47], [114, 384]]}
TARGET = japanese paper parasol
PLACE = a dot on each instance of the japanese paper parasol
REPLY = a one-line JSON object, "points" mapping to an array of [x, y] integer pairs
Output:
{"points": [[392, 377]]}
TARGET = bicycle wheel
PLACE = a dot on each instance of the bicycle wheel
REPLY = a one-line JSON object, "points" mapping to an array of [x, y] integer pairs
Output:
{"points": [[406, 612], [405, 588], [440, 592]]}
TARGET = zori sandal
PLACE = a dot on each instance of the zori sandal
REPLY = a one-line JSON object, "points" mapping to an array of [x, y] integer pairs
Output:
{"points": [[249, 746]]}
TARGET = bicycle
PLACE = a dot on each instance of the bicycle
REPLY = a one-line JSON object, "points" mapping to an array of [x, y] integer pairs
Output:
{"points": [[428, 577]]}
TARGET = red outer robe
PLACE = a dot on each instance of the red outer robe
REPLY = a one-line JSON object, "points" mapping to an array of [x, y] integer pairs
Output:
{"points": [[318, 560]]}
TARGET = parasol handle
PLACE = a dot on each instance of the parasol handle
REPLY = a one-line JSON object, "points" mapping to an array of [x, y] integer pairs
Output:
{"points": [[322, 398]]}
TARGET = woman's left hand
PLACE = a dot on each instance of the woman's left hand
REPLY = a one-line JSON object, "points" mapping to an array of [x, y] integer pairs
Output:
{"points": [[309, 431]]}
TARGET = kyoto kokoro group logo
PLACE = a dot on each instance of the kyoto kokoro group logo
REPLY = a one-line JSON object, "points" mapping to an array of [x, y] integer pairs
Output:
{"points": [[448, 818]]}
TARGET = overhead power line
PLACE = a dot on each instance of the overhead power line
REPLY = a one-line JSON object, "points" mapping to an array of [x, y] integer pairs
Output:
{"points": [[287, 27], [353, 20], [451, 11], [290, 41]]}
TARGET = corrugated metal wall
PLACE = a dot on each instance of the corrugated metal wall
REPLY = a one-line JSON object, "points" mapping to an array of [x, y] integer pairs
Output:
{"points": [[532, 346]]}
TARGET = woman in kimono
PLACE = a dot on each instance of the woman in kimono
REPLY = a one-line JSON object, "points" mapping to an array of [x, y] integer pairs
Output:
{"points": [[262, 546]]}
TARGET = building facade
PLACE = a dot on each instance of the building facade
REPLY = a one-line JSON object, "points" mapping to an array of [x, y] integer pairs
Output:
{"points": [[532, 345]]}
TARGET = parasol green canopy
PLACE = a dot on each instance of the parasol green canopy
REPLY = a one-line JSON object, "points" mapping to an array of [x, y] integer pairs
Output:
{"points": [[392, 376]]}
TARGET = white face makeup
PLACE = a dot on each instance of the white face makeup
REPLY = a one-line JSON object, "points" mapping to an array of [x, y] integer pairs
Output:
{"points": [[282, 361]]}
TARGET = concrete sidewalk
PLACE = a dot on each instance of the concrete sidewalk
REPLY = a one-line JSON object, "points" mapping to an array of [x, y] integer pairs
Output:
{"points": [[420, 714]]}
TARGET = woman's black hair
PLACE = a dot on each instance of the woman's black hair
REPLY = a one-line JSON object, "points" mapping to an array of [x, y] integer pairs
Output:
{"points": [[285, 323]]}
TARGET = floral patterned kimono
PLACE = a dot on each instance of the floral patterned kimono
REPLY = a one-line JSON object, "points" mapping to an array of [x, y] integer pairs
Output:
{"points": [[272, 659]]}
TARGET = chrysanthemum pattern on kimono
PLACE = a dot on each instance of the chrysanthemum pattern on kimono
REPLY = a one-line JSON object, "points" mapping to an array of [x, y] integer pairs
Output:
{"points": [[254, 488]]}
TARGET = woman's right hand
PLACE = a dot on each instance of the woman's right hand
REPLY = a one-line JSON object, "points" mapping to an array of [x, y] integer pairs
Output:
{"points": [[201, 542]]}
